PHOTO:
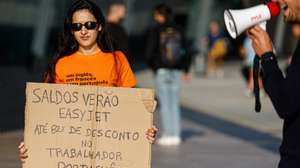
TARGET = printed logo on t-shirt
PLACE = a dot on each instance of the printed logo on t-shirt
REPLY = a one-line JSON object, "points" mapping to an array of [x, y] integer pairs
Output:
{"points": [[84, 79]]}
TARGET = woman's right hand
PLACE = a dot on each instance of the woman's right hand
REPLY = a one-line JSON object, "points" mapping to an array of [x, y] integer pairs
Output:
{"points": [[22, 152]]}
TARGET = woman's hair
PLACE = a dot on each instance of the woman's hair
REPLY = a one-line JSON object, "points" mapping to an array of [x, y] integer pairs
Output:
{"points": [[164, 10], [67, 42]]}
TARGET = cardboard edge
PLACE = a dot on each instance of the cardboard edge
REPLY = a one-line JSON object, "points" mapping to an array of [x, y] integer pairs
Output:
{"points": [[29, 85], [150, 105], [26, 115], [147, 94], [147, 97]]}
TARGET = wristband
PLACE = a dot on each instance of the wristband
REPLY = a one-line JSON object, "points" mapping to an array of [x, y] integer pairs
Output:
{"points": [[268, 57]]}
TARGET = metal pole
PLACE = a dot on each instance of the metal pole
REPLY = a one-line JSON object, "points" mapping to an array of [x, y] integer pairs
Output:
{"points": [[129, 21], [198, 27], [42, 25]]}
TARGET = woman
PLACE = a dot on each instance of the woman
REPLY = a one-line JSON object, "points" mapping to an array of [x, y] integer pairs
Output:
{"points": [[86, 56]]}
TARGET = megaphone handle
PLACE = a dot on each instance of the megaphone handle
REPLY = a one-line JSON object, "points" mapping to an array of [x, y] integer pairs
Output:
{"points": [[263, 25]]}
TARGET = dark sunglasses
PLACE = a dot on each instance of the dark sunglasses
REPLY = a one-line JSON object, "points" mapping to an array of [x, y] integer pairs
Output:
{"points": [[87, 25]]}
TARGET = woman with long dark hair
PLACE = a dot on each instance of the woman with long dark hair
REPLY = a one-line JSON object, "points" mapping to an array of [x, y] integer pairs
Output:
{"points": [[85, 37], [86, 56]]}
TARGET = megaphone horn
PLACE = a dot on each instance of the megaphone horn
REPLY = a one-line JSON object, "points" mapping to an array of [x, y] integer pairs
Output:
{"points": [[237, 21]]}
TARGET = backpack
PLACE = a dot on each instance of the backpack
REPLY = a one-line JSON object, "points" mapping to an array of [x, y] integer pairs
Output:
{"points": [[171, 46]]}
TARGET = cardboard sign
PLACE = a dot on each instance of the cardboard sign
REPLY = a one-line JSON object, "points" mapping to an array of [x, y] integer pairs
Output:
{"points": [[68, 126]]}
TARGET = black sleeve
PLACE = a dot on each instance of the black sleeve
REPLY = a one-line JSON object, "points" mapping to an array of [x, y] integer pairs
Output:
{"points": [[120, 38], [123, 41], [283, 91], [150, 48]]}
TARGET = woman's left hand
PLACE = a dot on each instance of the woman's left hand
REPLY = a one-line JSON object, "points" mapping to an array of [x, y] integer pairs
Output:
{"points": [[151, 133]]}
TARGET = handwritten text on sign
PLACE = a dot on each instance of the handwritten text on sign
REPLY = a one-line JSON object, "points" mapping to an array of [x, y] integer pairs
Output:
{"points": [[86, 127]]}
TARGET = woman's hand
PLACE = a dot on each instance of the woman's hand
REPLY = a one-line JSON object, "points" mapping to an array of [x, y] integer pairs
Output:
{"points": [[22, 152], [151, 133], [261, 41]]}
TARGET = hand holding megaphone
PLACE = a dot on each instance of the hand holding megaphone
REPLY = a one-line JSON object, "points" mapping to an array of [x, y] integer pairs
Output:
{"points": [[261, 41], [237, 21]]}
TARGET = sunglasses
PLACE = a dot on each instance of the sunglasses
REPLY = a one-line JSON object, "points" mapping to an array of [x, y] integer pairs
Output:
{"points": [[87, 25]]}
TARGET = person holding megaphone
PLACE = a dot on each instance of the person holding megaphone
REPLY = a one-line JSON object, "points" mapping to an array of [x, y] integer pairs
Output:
{"points": [[284, 91]]}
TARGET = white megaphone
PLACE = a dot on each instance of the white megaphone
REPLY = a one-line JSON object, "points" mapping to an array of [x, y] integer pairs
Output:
{"points": [[237, 21]]}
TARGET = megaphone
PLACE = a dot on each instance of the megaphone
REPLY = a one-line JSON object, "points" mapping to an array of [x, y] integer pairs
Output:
{"points": [[237, 21]]}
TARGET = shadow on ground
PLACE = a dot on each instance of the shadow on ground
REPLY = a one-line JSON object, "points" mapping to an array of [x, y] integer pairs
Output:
{"points": [[260, 139]]}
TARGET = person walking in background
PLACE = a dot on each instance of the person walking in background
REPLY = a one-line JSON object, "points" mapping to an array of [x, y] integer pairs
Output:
{"points": [[87, 57], [284, 91], [115, 15], [217, 49], [166, 56], [245, 67]]}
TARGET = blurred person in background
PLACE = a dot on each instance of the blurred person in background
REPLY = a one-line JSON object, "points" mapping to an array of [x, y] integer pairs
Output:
{"points": [[245, 68], [217, 49], [166, 56], [115, 15], [86, 48], [284, 91]]}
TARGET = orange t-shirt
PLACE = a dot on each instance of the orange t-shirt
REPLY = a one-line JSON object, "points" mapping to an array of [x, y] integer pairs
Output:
{"points": [[99, 69]]}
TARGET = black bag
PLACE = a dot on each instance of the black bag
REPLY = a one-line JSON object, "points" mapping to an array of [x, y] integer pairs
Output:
{"points": [[171, 46]]}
